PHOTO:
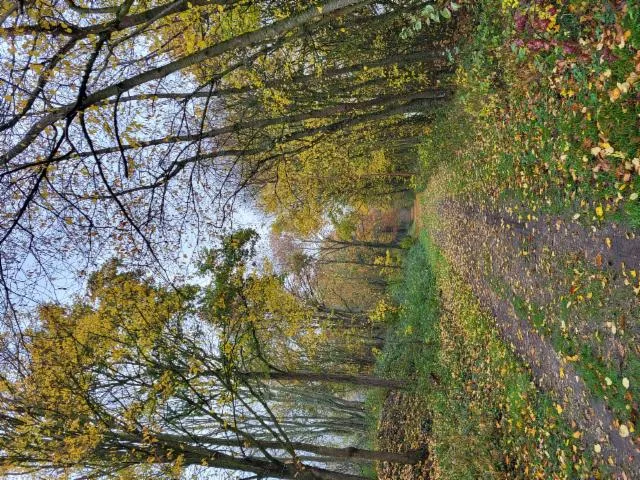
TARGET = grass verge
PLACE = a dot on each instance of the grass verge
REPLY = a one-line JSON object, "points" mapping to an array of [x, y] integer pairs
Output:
{"points": [[546, 120], [486, 418]]}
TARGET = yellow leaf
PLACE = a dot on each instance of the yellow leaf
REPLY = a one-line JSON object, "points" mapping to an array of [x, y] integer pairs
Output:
{"points": [[623, 87], [599, 211], [614, 94]]}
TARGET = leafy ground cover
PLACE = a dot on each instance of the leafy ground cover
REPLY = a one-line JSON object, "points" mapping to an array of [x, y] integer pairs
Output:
{"points": [[550, 90], [482, 414], [549, 93], [530, 181]]}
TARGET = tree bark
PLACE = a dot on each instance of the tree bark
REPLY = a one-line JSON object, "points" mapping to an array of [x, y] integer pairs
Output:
{"points": [[302, 376], [337, 453]]}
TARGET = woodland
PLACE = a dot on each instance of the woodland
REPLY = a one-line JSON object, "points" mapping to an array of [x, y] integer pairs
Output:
{"points": [[333, 239]]}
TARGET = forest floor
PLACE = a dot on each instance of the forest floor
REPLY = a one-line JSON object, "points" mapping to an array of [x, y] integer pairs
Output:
{"points": [[404, 427], [529, 251]]}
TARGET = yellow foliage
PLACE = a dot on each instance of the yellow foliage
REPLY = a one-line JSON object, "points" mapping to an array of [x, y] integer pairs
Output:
{"points": [[122, 320]]}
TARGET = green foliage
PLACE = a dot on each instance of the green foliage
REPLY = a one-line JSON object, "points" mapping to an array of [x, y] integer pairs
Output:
{"points": [[487, 417], [136, 380], [62, 403], [227, 265], [413, 337], [429, 13]]}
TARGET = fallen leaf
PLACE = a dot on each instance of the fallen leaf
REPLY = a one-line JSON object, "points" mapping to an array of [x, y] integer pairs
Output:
{"points": [[623, 431], [614, 94], [599, 260]]}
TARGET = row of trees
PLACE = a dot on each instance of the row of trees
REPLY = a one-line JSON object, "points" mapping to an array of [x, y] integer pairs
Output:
{"points": [[138, 380], [345, 268], [133, 128]]}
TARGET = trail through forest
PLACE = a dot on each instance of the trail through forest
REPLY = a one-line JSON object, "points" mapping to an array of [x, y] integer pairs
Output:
{"points": [[527, 250], [147, 331], [517, 267]]}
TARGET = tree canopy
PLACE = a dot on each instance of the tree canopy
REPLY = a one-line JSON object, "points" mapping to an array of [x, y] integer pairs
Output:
{"points": [[132, 128], [132, 133], [135, 379]]}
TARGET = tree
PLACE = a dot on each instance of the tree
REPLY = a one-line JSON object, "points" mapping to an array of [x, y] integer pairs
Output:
{"points": [[264, 325], [140, 380], [344, 269], [130, 128]]}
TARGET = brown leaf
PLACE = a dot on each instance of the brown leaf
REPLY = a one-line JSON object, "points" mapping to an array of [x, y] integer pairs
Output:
{"points": [[599, 260]]}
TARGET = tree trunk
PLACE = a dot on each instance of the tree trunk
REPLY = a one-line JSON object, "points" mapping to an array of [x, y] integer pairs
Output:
{"points": [[267, 469], [261, 123], [169, 446], [336, 453], [306, 79], [346, 453], [301, 376], [362, 243]]}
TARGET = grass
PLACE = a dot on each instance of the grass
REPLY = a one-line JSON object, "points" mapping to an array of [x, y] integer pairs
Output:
{"points": [[415, 334], [487, 418], [554, 113], [546, 120], [581, 326]]}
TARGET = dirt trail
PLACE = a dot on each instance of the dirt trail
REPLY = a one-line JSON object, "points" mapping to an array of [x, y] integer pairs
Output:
{"points": [[495, 248]]}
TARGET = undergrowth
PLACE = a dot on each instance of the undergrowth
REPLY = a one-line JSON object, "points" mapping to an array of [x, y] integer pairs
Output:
{"points": [[487, 419], [546, 121]]}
